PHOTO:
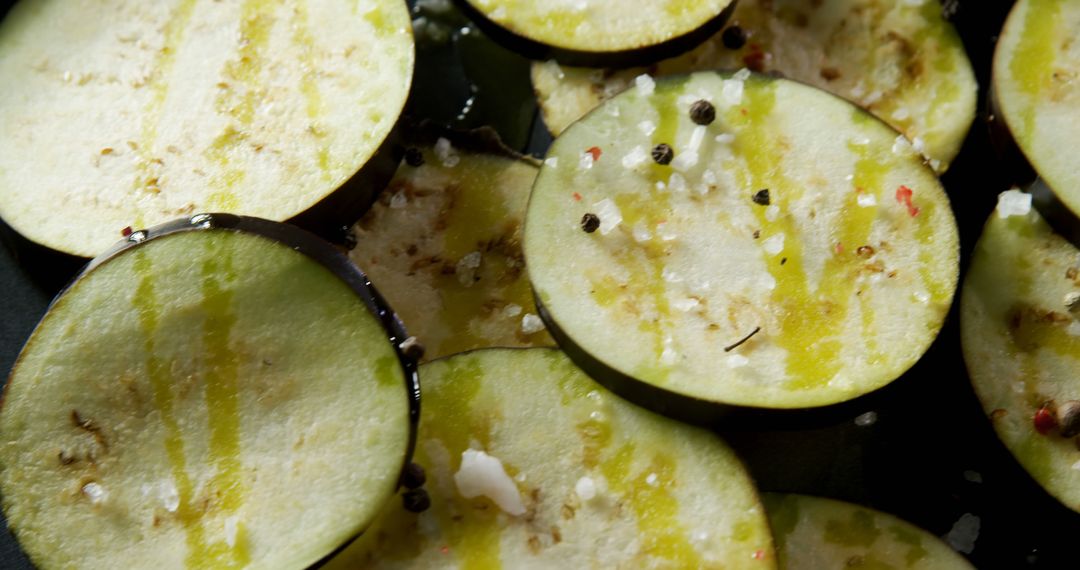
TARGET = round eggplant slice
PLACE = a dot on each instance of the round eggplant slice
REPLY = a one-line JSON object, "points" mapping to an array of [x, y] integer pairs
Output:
{"points": [[599, 32], [128, 113], [214, 394], [1034, 92], [1021, 339], [795, 252], [815, 533], [902, 62], [444, 243], [530, 464]]}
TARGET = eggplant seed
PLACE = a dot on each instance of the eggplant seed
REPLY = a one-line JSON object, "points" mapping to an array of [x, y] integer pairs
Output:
{"points": [[761, 197], [662, 153]]}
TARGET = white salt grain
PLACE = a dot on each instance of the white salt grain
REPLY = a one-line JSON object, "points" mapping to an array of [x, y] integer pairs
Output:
{"points": [[645, 85], [483, 475], [1013, 203], [773, 244], [610, 215], [531, 324], [964, 533]]}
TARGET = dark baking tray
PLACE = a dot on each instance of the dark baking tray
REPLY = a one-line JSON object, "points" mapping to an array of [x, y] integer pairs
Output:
{"points": [[930, 458]]}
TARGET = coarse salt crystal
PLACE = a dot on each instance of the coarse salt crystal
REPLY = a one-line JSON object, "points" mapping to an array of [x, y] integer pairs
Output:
{"points": [[772, 212], [399, 200], [585, 488], [512, 310], [647, 127], [636, 157], [445, 153], [1013, 203], [773, 244], [900, 145], [553, 67], [531, 323], [685, 161], [610, 216], [668, 356], [586, 161], [652, 479], [483, 475], [641, 233], [901, 114], [466, 268], [231, 527], [95, 492], [696, 138], [670, 275], [737, 361], [686, 304], [964, 533], [921, 296], [553, 162], [677, 183], [866, 200], [867, 419], [725, 138], [660, 186], [873, 97], [645, 85], [918, 144], [732, 92]]}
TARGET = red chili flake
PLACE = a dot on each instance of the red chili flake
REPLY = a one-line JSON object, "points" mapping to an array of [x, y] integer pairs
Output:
{"points": [[756, 60], [445, 550], [577, 197], [743, 111], [903, 196], [595, 152], [839, 248], [1044, 420], [126, 231], [759, 555]]}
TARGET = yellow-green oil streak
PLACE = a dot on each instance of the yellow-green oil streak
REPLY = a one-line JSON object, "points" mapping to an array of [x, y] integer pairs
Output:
{"points": [[1033, 59], [309, 85], [159, 89], [147, 309], [810, 320], [222, 399], [241, 73]]}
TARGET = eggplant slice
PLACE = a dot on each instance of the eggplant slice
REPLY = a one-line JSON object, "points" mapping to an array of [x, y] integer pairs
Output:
{"points": [[444, 244], [1036, 63], [813, 533], [599, 32], [213, 394], [1021, 339], [530, 464], [131, 113], [795, 252], [903, 62]]}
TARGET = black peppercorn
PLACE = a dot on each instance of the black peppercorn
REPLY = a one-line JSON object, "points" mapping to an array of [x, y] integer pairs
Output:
{"points": [[702, 112], [662, 153], [413, 476], [761, 197], [413, 157], [416, 500], [590, 223], [733, 37]]}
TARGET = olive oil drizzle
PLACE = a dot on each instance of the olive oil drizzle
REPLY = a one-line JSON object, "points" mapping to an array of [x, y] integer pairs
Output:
{"points": [[147, 308], [243, 71], [309, 85], [1033, 59], [146, 180], [222, 398], [473, 539], [809, 319]]}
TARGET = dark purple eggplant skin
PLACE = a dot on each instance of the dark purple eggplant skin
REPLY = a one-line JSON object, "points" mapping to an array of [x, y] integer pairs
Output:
{"points": [[707, 413], [314, 248], [647, 55]]}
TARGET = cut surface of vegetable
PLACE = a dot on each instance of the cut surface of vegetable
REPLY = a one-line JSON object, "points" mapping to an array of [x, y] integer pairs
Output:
{"points": [[530, 464], [1035, 63], [444, 245], [1021, 340], [206, 398], [794, 252], [813, 533], [129, 113], [901, 60], [589, 32]]}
